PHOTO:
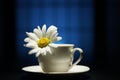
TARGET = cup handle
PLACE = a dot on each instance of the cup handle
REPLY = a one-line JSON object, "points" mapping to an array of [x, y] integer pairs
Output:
{"points": [[80, 57]]}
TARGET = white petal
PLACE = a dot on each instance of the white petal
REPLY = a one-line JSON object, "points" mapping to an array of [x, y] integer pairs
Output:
{"points": [[38, 33], [53, 45], [29, 40], [44, 30], [52, 27], [35, 50], [44, 52], [56, 39], [30, 45], [32, 36], [39, 28], [38, 53], [54, 34], [48, 50], [59, 38], [50, 30]]}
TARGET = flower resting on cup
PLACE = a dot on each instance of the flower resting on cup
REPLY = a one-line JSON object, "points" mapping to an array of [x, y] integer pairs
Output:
{"points": [[41, 39]]}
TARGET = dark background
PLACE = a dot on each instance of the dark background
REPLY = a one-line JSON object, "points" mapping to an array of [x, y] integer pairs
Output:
{"points": [[106, 61]]}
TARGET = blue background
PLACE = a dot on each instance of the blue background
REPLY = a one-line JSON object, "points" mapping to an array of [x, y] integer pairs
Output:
{"points": [[74, 19]]}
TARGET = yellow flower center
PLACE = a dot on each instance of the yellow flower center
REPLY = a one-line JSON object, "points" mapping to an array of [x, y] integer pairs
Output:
{"points": [[43, 42]]}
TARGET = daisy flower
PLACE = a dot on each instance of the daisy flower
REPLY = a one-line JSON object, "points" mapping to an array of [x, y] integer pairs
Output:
{"points": [[41, 40]]}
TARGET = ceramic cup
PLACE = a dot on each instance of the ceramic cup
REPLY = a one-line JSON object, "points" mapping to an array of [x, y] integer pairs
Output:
{"points": [[61, 59]]}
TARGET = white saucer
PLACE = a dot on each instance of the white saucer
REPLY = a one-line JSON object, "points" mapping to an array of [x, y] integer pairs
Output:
{"points": [[74, 70]]}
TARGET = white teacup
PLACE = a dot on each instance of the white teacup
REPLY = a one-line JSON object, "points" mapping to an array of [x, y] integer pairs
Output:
{"points": [[61, 59]]}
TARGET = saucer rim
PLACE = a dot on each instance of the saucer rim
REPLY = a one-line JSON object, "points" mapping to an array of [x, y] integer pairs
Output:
{"points": [[41, 72]]}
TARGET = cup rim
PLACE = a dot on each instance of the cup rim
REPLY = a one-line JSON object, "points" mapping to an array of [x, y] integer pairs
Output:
{"points": [[64, 45]]}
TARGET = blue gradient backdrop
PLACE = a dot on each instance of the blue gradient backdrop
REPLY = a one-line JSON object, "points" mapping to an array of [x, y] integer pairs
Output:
{"points": [[74, 19]]}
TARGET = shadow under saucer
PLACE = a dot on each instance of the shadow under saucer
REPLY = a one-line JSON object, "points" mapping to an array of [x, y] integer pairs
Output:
{"points": [[36, 76]]}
